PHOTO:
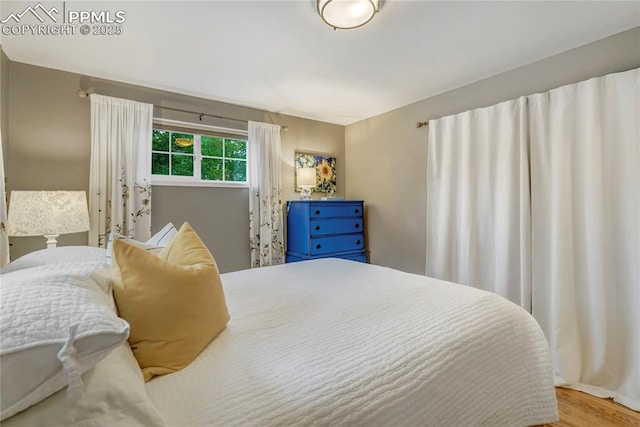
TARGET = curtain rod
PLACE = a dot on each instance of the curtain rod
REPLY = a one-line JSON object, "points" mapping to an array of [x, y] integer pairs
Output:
{"points": [[85, 94], [420, 124]]}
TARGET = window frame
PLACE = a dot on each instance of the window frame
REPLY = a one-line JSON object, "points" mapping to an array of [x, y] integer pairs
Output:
{"points": [[198, 131]]}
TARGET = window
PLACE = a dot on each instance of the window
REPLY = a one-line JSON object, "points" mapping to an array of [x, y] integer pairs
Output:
{"points": [[179, 157]]}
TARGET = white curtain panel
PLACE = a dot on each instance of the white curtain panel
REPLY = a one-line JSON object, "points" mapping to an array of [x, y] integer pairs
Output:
{"points": [[585, 176], [4, 236], [265, 205], [478, 222], [120, 174]]}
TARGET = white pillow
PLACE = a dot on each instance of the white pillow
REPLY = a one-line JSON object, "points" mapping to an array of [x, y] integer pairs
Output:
{"points": [[154, 244], [92, 260], [163, 237], [57, 255], [55, 323], [143, 245], [114, 395]]}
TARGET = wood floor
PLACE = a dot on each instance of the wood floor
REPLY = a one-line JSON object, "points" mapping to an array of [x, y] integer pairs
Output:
{"points": [[579, 409]]}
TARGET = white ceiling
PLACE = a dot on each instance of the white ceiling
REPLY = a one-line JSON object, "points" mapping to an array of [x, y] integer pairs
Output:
{"points": [[280, 56]]}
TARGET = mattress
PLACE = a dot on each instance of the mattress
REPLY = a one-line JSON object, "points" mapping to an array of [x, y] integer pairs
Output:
{"points": [[341, 343]]}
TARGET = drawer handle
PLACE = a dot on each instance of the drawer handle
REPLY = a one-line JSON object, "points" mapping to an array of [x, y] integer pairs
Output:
{"points": [[318, 246], [357, 211], [317, 227], [357, 225], [317, 211], [358, 242]]}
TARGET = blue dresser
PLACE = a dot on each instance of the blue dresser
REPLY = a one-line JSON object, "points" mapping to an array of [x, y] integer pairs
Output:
{"points": [[323, 229]]}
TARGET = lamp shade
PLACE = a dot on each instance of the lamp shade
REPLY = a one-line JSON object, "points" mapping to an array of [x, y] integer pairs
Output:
{"points": [[346, 14], [42, 213], [306, 177]]}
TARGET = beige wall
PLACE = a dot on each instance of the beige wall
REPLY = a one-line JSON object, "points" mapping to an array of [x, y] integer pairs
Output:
{"points": [[4, 100], [48, 140], [49, 148], [386, 154]]}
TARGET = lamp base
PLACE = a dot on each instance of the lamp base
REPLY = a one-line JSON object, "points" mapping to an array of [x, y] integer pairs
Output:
{"points": [[51, 240], [305, 193]]}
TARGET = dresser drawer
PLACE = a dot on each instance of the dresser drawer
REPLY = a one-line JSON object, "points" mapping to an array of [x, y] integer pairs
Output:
{"points": [[330, 210], [323, 227], [344, 243]]}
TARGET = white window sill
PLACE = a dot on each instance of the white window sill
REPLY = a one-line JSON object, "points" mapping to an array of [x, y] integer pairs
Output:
{"points": [[173, 182]]}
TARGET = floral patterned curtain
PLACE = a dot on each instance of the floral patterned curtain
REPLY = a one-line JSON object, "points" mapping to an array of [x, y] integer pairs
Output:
{"points": [[265, 206], [120, 175]]}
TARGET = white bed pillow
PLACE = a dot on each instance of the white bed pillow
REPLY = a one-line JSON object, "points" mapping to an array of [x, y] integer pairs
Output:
{"points": [[88, 258], [113, 236], [164, 236], [57, 255], [114, 396], [153, 245], [56, 323]]}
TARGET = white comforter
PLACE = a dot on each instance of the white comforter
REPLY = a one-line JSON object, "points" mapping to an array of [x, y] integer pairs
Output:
{"points": [[333, 342]]}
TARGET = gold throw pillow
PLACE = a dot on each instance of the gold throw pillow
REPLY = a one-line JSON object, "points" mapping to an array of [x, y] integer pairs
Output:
{"points": [[173, 301]]}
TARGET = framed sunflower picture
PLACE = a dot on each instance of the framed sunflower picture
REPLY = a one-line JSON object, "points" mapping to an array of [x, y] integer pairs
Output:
{"points": [[325, 167]]}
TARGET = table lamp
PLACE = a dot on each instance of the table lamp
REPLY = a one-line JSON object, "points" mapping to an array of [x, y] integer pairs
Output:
{"points": [[47, 213], [306, 178]]}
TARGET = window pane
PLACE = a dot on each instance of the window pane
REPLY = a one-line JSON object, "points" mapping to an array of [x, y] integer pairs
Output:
{"points": [[211, 146], [181, 165], [211, 169], [160, 163], [235, 170], [235, 148], [160, 140], [182, 143]]}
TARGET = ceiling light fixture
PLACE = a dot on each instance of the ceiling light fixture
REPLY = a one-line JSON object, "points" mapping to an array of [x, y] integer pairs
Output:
{"points": [[347, 14], [183, 142]]}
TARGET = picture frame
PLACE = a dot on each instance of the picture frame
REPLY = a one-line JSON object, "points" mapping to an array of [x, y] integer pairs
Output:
{"points": [[325, 166]]}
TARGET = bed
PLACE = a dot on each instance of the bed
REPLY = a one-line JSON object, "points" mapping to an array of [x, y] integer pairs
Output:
{"points": [[335, 342]]}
